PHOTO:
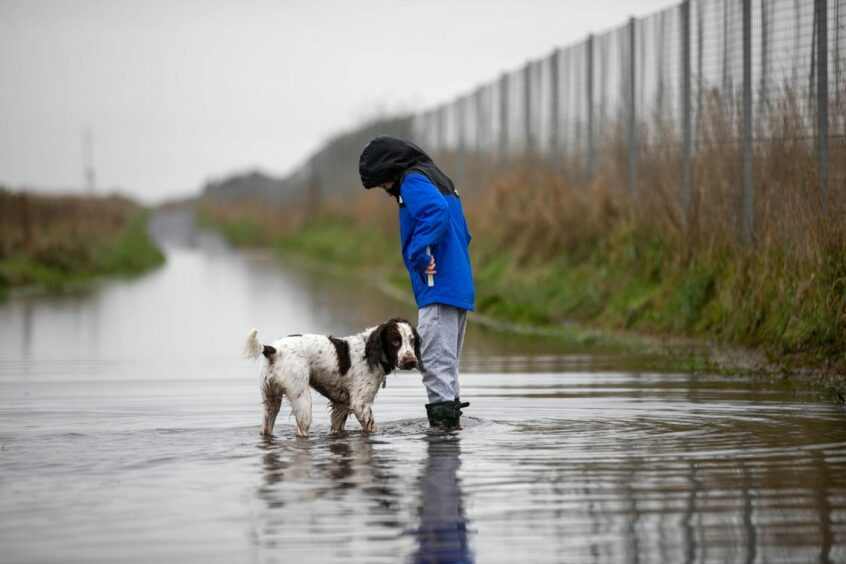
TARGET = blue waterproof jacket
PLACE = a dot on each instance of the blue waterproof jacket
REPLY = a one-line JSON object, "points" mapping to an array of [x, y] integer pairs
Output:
{"points": [[433, 222], [431, 219]]}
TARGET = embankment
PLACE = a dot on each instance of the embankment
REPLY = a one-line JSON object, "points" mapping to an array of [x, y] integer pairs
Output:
{"points": [[580, 256], [52, 241]]}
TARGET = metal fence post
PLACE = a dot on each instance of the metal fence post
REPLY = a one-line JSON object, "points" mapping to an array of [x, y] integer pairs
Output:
{"points": [[765, 53], [632, 111], [481, 120], [460, 115], [527, 110], [435, 121], [700, 40], [503, 121], [591, 148], [481, 134], [821, 18], [685, 110], [554, 109], [748, 229]]}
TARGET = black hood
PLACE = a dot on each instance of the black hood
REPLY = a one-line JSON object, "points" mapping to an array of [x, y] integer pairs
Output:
{"points": [[387, 157]]}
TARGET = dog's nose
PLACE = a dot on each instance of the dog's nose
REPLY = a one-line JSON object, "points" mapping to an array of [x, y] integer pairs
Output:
{"points": [[409, 363]]}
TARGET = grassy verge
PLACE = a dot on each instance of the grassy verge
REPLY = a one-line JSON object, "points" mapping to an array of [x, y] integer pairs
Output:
{"points": [[63, 240], [632, 278], [638, 281]]}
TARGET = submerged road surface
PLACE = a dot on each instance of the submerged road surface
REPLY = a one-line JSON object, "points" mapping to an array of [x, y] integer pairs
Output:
{"points": [[129, 432]]}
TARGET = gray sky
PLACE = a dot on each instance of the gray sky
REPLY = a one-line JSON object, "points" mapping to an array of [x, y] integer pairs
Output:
{"points": [[178, 91]]}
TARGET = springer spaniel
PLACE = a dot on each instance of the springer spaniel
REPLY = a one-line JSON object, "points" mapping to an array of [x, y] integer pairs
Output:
{"points": [[347, 371]]}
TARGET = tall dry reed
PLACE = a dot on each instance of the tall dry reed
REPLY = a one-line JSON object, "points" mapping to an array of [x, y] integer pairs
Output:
{"points": [[32, 224]]}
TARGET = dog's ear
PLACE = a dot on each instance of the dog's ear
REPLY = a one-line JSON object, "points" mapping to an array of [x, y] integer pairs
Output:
{"points": [[373, 350], [417, 345]]}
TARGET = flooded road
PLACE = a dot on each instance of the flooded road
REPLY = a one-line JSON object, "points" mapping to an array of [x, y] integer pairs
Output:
{"points": [[129, 432]]}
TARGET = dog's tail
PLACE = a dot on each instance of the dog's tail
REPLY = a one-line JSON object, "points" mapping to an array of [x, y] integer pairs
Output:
{"points": [[252, 347]]}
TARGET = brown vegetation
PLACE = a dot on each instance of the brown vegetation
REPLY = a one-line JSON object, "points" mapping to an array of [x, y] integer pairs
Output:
{"points": [[32, 223], [50, 239]]}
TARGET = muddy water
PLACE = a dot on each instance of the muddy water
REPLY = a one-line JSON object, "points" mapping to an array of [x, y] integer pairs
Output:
{"points": [[129, 432]]}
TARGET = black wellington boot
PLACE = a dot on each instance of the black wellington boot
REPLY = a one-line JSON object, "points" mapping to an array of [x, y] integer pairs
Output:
{"points": [[442, 414], [458, 412]]}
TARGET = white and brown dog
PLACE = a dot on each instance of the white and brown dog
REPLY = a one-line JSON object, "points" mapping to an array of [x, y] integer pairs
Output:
{"points": [[347, 371]]}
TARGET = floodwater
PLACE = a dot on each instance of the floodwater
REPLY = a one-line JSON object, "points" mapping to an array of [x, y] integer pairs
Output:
{"points": [[129, 432]]}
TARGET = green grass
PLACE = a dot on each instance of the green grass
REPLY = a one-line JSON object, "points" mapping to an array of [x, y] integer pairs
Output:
{"points": [[338, 242], [65, 261], [243, 232]]}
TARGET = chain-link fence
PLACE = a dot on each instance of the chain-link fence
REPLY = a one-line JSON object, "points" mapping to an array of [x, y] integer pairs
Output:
{"points": [[752, 80]]}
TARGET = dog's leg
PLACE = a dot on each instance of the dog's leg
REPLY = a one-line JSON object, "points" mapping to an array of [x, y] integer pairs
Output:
{"points": [[364, 414], [272, 401], [301, 404], [339, 416]]}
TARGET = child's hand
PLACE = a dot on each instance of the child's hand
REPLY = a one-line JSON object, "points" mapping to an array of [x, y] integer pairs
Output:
{"points": [[430, 270]]}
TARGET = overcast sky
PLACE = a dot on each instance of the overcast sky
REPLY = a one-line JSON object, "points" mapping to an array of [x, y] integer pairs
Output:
{"points": [[177, 91]]}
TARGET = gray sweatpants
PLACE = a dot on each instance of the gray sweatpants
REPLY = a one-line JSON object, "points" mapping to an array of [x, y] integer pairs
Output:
{"points": [[441, 329]]}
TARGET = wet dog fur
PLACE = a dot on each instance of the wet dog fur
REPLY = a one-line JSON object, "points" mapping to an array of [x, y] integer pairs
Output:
{"points": [[347, 371]]}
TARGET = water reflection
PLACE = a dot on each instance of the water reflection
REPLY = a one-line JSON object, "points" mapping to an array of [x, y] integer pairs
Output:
{"points": [[328, 465], [442, 534], [320, 493]]}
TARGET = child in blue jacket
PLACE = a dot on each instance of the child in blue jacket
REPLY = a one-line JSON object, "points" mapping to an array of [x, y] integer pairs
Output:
{"points": [[434, 238]]}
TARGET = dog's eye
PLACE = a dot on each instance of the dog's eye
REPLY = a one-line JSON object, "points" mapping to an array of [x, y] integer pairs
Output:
{"points": [[397, 342]]}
